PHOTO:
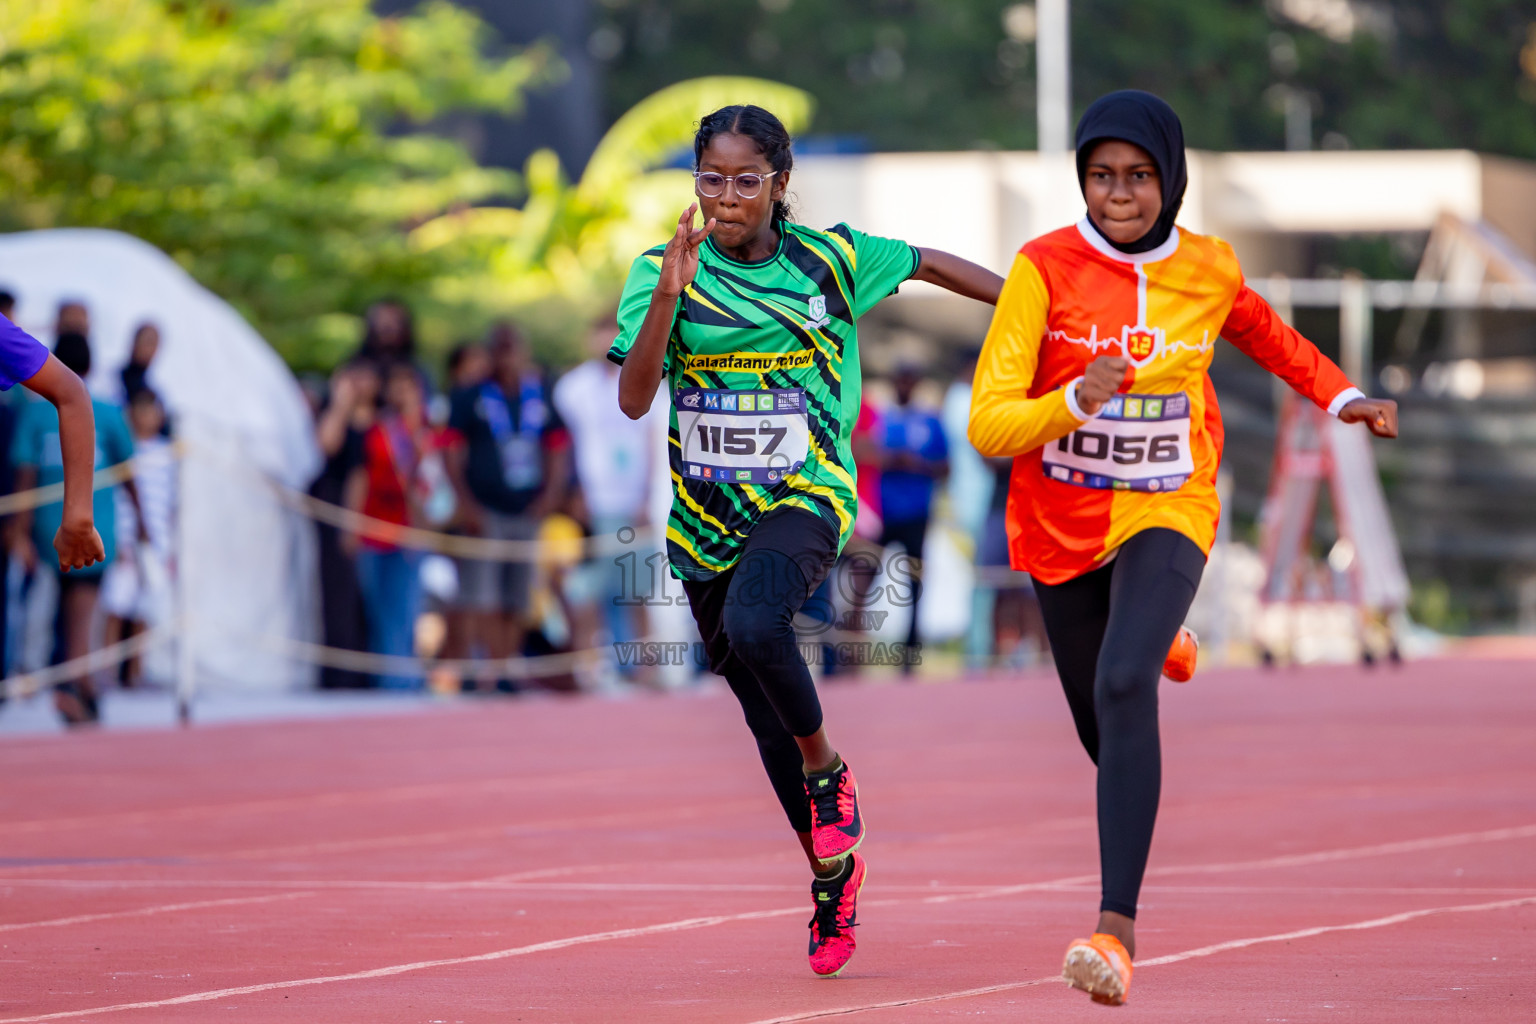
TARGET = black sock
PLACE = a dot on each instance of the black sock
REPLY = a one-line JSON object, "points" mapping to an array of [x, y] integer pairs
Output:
{"points": [[834, 872], [837, 763]]}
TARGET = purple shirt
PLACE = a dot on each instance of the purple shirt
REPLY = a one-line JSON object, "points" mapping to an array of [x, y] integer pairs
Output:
{"points": [[21, 355]]}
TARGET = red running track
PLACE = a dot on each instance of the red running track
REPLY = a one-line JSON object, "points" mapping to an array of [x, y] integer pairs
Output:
{"points": [[1333, 845]]}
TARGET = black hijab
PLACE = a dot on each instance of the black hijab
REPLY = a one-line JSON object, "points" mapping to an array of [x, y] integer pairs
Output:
{"points": [[1144, 120]]}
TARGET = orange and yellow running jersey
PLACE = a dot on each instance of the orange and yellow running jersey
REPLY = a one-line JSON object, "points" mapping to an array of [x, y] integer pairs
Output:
{"points": [[1082, 486]]}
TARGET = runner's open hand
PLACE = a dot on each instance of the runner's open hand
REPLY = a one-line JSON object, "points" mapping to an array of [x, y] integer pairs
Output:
{"points": [[1379, 414], [681, 260], [1100, 381]]}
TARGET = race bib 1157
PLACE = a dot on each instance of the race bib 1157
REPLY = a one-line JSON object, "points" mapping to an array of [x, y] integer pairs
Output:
{"points": [[1138, 443], [742, 437]]}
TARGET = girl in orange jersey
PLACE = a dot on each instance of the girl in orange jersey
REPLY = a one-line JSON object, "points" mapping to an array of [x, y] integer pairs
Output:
{"points": [[1093, 378]]}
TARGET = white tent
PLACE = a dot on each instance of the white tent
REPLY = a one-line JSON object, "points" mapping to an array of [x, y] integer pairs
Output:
{"points": [[249, 565]]}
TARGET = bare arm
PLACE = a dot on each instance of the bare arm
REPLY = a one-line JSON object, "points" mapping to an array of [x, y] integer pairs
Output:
{"points": [[557, 478], [353, 494], [642, 366], [331, 430], [457, 460], [77, 542], [959, 276]]}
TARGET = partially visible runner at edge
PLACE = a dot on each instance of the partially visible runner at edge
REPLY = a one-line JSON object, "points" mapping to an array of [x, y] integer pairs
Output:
{"points": [[25, 360], [751, 318], [1094, 379]]}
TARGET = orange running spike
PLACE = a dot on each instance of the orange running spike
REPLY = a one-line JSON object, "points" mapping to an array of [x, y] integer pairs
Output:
{"points": [[1180, 664], [1099, 966]]}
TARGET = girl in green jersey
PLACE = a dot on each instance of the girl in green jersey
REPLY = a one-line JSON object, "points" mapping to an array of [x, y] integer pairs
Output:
{"points": [[751, 318]]}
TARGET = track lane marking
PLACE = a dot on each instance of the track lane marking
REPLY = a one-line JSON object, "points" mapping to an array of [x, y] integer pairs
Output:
{"points": [[1172, 958], [1435, 842], [687, 924], [970, 892], [1454, 839], [165, 908]]}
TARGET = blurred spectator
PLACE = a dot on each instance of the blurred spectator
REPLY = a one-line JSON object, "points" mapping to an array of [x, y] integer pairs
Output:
{"points": [[146, 342], [916, 456], [511, 471], [343, 421], [391, 485], [859, 562], [135, 591], [39, 462], [390, 337], [613, 470], [469, 364], [969, 491], [73, 318], [1006, 598]]}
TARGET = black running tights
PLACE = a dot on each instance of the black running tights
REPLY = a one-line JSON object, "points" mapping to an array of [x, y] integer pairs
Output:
{"points": [[746, 618], [1110, 630]]}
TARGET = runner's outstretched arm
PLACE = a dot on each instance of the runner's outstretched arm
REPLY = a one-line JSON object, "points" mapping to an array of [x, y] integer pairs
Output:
{"points": [[1257, 329], [959, 276]]}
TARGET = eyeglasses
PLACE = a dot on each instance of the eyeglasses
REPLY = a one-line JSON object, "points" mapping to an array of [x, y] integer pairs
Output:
{"points": [[712, 185]]}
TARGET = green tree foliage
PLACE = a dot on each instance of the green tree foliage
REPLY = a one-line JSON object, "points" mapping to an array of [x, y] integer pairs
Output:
{"points": [[904, 74], [253, 140], [941, 74], [559, 259]]}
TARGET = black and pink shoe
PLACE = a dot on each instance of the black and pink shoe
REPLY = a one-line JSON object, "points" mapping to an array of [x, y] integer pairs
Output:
{"points": [[837, 826], [836, 901]]}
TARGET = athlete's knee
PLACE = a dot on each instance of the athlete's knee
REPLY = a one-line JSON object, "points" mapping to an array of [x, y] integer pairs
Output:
{"points": [[1125, 683], [759, 633]]}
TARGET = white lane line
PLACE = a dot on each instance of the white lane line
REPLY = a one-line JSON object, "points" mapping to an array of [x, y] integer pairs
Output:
{"points": [[531, 887], [1172, 958], [967, 993], [164, 908], [956, 893], [1353, 853], [331, 798], [1356, 926], [507, 830], [688, 924], [1287, 861]]}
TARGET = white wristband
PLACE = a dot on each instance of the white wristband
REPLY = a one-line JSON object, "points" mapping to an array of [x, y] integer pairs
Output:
{"points": [[1343, 398], [1073, 407]]}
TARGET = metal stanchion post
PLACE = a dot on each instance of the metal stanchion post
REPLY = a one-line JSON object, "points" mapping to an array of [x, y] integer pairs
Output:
{"points": [[186, 665]]}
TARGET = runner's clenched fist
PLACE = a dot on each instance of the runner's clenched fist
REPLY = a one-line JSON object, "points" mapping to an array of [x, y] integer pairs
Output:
{"points": [[1101, 380]]}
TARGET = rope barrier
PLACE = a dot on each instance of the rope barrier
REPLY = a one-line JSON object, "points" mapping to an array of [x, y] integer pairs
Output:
{"points": [[21, 501], [518, 666], [459, 545], [346, 519], [28, 683]]}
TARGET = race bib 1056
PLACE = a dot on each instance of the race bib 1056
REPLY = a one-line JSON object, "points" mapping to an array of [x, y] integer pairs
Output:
{"points": [[1138, 443], [742, 437]]}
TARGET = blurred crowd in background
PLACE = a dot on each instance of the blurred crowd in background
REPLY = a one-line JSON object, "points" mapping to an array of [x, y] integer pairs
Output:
{"points": [[504, 448], [492, 445]]}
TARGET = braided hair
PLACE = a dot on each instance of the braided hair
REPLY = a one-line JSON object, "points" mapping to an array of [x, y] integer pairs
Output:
{"points": [[754, 123]]}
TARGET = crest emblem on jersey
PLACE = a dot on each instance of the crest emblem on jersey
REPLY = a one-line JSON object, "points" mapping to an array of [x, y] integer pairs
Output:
{"points": [[1141, 344], [818, 317]]}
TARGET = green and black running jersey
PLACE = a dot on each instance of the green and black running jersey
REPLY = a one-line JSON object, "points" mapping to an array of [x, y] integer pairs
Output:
{"points": [[763, 368]]}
